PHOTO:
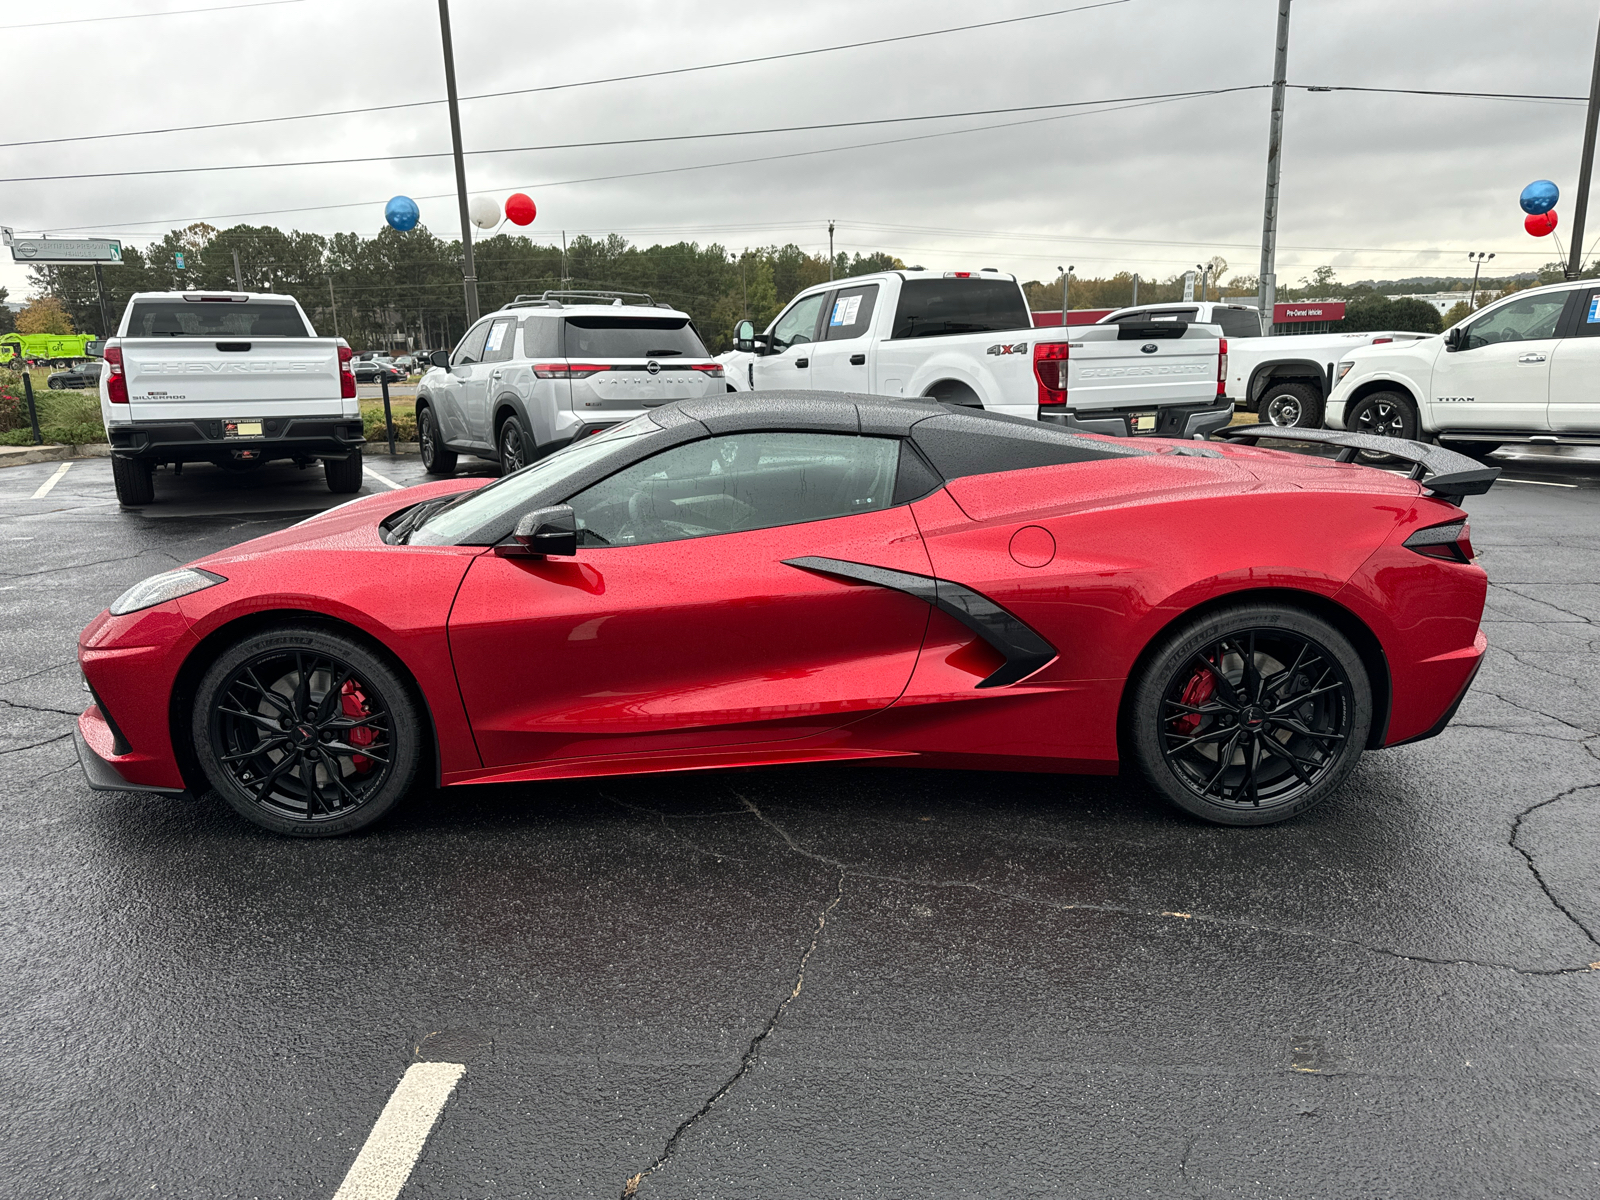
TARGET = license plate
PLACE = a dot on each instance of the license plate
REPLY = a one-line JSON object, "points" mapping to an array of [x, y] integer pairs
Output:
{"points": [[242, 429], [1143, 422]]}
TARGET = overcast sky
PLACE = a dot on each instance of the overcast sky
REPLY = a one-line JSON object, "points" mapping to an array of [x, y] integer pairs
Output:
{"points": [[1380, 186]]}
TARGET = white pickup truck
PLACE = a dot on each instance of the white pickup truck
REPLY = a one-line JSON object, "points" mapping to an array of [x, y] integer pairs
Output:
{"points": [[1285, 379], [1520, 370], [967, 338], [231, 378]]}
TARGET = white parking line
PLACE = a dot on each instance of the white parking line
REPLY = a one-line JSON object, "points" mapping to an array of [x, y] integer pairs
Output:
{"points": [[391, 1149], [44, 488], [1539, 482], [384, 479]]}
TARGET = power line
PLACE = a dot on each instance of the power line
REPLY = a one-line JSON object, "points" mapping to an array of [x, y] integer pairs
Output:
{"points": [[665, 138], [553, 87], [1312, 87], [175, 12]]}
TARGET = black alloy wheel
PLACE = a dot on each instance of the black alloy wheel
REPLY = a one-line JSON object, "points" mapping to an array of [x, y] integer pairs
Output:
{"points": [[306, 732], [513, 447], [437, 459], [1291, 405], [1252, 715]]}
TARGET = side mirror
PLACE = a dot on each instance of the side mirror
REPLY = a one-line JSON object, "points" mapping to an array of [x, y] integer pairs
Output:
{"points": [[1455, 338], [439, 358], [744, 336], [543, 532]]}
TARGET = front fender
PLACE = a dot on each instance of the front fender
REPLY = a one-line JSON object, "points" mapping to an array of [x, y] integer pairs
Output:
{"points": [[1351, 384]]}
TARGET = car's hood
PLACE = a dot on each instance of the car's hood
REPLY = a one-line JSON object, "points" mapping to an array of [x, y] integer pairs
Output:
{"points": [[1427, 346]]}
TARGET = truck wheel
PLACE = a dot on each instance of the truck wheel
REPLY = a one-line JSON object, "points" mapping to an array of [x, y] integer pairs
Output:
{"points": [[1387, 414], [437, 458], [1291, 405], [135, 479], [343, 474]]}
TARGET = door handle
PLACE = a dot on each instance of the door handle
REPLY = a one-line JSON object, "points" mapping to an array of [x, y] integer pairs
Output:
{"points": [[1531, 358], [858, 360], [802, 362]]}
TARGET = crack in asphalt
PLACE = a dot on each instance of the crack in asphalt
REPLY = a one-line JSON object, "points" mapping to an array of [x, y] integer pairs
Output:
{"points": [[65, 712], [1151, 914], [751, 1054], [35, 745], [1538, 876], [99, 562], [1533, 666], [41, 671], [673, 833], [1577, 616], [1583, 729]]}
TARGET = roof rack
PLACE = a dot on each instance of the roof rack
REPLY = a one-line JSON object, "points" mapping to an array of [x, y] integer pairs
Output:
{"points": [[553, 299]]}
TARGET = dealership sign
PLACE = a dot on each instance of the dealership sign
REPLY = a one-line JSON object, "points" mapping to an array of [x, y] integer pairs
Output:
{"points": [[59, 251], [1331, 310]]}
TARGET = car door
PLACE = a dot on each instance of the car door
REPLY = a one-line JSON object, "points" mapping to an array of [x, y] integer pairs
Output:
{"points": [[1499, 377], [483, 381], [791, 338], [681, 625], [1575, 370], [450, 393], [841, 360]]}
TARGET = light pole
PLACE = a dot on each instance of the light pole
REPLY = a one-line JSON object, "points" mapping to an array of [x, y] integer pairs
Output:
{"points": [[469, 274], [1575, 262], [830, 249], [1135, 299], [1269, 219], [1066, 280], [1205, 278], [1477, 260]]}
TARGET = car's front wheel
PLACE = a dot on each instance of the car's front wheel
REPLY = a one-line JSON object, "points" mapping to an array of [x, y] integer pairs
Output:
{"points": [[437, 458], [306, 732], [1251, 715], [1386, 414]]}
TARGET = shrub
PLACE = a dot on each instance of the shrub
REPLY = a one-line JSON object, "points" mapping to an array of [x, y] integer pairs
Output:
{"points": [[13, 409], [405, 427]]}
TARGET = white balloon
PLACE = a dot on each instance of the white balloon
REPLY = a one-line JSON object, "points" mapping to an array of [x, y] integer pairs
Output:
{"points": [[484, 211]]}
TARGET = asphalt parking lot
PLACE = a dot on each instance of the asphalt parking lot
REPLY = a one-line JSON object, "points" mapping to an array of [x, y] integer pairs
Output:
{"points": [[809, 982]]}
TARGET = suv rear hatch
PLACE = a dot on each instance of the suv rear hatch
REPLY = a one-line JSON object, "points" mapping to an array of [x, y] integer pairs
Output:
{"points": [[625, 363]]}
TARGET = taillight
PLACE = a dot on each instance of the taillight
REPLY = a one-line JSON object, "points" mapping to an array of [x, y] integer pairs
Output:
{"points": [[1451, 541], [567, 370], [1050, 365], [714, 370], [1222, 366], [116, 381], [1381, 341], [347, 375]]}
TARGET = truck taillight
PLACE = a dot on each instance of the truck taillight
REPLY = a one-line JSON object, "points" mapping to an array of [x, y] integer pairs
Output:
{"points": [[1222, 366], [116, 381], [347, 374], [1050, 366]]}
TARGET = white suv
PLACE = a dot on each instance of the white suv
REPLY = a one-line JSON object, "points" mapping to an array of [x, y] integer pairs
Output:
{"points": [[546, 370]]}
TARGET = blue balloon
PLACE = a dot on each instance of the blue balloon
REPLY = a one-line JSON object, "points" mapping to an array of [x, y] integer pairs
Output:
{"points": [[402, 213], [1540, 196]]}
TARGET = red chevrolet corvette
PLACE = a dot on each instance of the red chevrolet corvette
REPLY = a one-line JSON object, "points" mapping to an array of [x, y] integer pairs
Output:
{"points": [[787, 578]]}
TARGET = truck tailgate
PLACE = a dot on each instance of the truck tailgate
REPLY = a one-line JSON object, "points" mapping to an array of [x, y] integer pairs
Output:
{"points": [[175, 378], [1117, 366]]}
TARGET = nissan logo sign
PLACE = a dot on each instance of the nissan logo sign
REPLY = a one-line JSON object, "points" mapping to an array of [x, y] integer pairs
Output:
{"points": [[1149, 348], [653, 367]]}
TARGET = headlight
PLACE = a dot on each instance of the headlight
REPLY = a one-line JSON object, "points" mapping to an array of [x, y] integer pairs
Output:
{"points": [[158, 589], [1344, 369]]}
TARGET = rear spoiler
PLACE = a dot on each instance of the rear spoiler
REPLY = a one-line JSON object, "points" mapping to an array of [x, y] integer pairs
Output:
{"points": [[1446, 474]]}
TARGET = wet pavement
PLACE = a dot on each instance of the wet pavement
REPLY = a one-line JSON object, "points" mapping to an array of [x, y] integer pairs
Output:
{"points": [[817, 981]]}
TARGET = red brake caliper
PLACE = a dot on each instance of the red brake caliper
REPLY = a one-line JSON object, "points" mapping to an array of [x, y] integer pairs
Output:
{"points": [[1196, 692], [353, 703]]}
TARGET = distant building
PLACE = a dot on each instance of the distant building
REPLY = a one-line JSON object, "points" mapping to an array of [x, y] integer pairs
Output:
{"points": [[1445, 301]]}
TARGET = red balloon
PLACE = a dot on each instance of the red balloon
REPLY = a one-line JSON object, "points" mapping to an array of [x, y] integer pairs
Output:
{"points": [[1540, 224], [520, 209]]}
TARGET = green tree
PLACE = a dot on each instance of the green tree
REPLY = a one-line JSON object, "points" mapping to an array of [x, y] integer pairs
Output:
{"points": [[1459, 311]]}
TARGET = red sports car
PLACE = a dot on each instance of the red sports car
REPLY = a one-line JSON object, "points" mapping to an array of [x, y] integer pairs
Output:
{"points": [[786, 578]]}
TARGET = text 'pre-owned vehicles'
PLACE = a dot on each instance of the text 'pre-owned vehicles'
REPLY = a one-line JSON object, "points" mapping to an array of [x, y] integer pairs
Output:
{"points": [[782, 577], [967, 338], [1522, 369], [546, 370], [1285, 379], [231, 378]]}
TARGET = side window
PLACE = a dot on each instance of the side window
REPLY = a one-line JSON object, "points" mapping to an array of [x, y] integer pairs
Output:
{"points": [[541, 337], [471, 348], [851, 314], [1237, 322], [502, 336], [1521, 320], [738, 482], [798, 325], [1588, 316]]}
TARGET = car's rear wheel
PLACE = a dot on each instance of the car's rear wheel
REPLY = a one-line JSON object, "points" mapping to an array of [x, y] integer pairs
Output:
{"points": [[306, 732], [1291, 405], [437, 458], [343, 474], [135, 480], [513, 446], [1251, 715], [55, 385]]}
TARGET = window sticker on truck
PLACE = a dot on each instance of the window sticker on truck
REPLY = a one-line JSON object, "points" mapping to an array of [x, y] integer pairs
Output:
{"points": [[1594, 310], [845, 310]]}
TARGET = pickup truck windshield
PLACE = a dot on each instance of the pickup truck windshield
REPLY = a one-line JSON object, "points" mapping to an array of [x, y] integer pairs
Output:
{"points": [[937, 307], [212, 319], [632, 337]]}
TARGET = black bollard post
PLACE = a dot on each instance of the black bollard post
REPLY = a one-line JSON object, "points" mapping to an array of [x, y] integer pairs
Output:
{"points": [[33, 409], [388, 417]]}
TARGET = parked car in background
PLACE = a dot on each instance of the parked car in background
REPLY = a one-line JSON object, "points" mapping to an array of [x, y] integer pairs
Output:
{"points": [[376, 370], [967, 338], [1522, 369], [406, 363], [81, 376], [547, 370], [1284, 379]]}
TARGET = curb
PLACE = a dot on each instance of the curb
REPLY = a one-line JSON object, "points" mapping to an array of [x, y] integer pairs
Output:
{"points": [[20, 456]]}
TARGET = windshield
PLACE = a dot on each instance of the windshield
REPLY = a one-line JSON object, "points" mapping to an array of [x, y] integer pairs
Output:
{"points": [[215, 318], [483, 507], [632, 337]]}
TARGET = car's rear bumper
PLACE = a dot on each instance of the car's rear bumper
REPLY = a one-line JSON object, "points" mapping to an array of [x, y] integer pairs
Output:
{"points": [[1172, 421], [1447, 666], [203, 440]]}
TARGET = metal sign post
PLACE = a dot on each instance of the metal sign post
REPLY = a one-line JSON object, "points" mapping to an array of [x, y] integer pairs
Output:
{"points": [[388, 417], [33, 410]]}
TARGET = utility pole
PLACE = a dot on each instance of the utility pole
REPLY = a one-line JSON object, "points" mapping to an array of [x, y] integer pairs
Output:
{"points": [[1066, 282], [238, 275], [105, 309], [830, 249], [469, 273], [1135, 300], [1269, 220], [335, 304], [1575, 263]]}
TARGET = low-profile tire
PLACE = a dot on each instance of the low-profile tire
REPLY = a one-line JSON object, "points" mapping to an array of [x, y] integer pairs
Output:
{"points": [[343, 474], [306, 732], [513, 445], [1250, 715], [1291, 405], [437, 458], [135, 480]]}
